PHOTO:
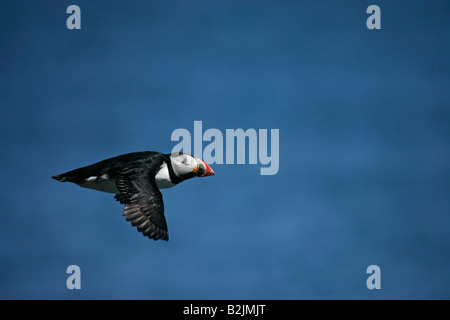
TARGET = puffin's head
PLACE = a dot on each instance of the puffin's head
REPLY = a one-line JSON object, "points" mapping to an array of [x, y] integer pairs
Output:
{"points": [[186, 166]]}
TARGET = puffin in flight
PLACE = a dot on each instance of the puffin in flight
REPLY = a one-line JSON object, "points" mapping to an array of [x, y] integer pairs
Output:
{"points": [[136, 178]]}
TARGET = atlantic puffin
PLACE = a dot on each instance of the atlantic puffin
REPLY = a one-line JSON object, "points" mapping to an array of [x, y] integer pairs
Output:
{"points": [[135, 179]]}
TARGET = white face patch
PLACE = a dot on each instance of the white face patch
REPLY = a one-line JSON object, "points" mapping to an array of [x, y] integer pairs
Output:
{"points": [[183, 164]]}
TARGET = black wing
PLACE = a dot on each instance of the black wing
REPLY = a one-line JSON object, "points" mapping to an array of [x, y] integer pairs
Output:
{"points": [[109, 166], [144, 205]]}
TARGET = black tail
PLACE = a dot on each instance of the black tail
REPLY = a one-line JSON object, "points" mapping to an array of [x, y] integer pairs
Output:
{"points": [[80, 174], [71, 176], [60, 177]]}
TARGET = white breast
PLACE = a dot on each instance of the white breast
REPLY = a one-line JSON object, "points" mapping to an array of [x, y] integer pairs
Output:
{"points": [[163, 178]]}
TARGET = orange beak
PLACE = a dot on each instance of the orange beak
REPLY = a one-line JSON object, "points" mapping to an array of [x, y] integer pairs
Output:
{"points": [[208, 170]]}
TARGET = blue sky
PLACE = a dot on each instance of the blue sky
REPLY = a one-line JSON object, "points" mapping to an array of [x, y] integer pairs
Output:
{"points": [[363, 117]]}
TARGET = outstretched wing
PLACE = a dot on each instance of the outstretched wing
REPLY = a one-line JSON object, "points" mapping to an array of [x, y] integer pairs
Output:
{"points": [[144, 206]]}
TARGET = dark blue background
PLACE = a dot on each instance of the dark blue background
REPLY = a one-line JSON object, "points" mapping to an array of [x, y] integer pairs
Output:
{"points": [[364, 148]]}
